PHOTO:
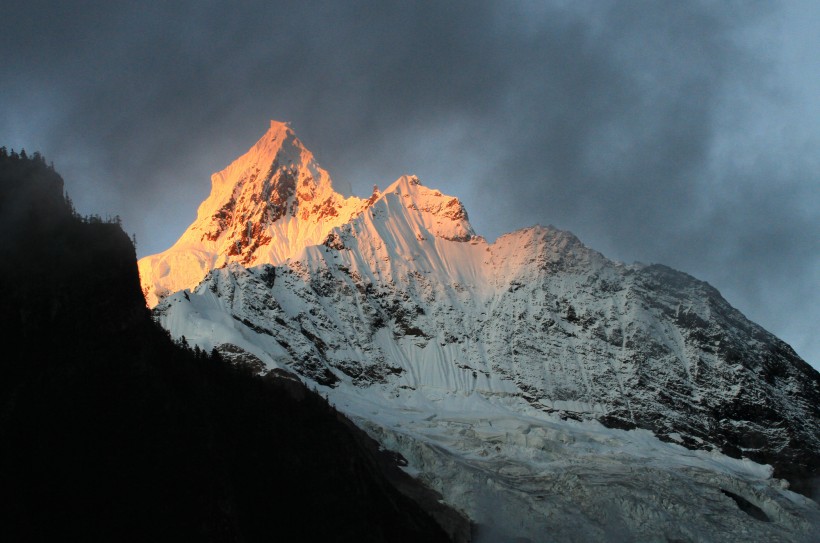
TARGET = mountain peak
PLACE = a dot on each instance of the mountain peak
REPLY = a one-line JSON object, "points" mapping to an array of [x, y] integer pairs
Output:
{"points": [[278, 145], [444, 215], [279, 126], [272, 180], [266, 205], [279, 142], [278, 131], [274, 201]]}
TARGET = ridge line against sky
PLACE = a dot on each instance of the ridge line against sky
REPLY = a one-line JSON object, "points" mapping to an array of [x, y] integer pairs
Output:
{"points": [[683, 133]]}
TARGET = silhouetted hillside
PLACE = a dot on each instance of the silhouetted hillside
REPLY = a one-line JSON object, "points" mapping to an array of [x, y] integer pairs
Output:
{"points": [[110, 431]]}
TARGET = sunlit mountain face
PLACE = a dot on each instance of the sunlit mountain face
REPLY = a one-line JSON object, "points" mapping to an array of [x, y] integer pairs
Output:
{"points": [[264, 208], [539, 386], [268, 206]]}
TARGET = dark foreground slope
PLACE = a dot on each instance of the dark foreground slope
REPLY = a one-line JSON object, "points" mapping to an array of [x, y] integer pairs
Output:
{"points": [[109, 431]]}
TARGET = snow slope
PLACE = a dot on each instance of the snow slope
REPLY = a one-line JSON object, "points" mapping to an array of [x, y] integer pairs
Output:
{"points": [[515, 375]]}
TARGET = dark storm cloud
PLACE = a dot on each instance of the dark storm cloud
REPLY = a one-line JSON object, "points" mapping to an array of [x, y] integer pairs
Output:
{"points": [[625, 122], [144, 89]]}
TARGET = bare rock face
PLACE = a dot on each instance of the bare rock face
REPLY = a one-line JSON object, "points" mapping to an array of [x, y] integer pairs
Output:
{"points": [[401, 313]]}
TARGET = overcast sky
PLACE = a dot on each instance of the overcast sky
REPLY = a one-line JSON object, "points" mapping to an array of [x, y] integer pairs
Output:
{"points": [[684, 133]]}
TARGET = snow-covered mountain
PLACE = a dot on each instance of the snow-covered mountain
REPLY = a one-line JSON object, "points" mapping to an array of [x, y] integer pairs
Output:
{"points": [[551, 393]]}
